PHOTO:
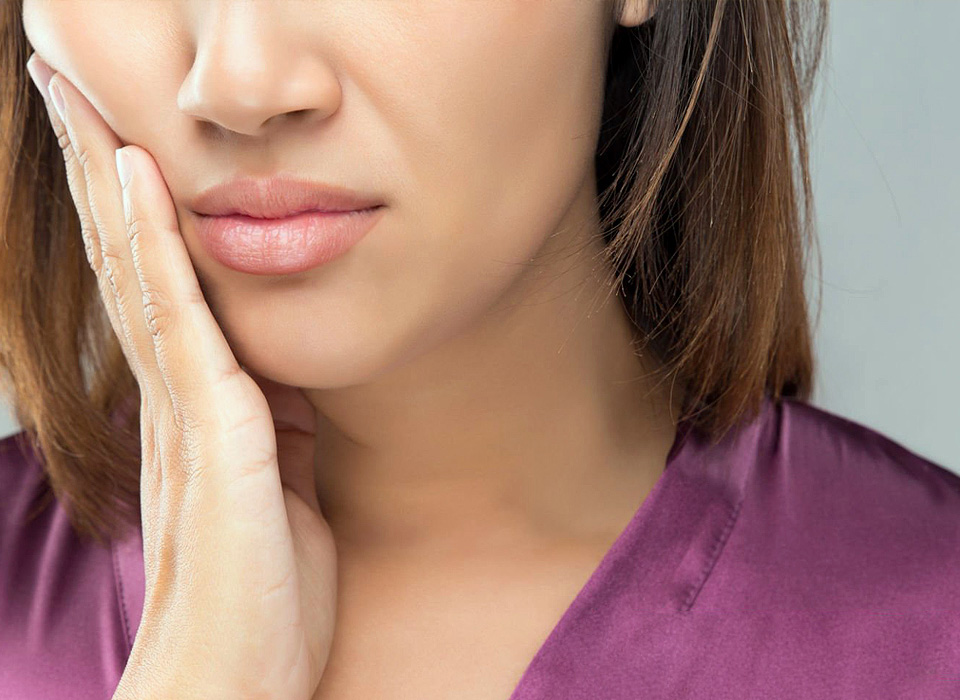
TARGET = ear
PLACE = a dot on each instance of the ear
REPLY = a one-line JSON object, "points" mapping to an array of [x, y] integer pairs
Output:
{"points": [[633, 13]]}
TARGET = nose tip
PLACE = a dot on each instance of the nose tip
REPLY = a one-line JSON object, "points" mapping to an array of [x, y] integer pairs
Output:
{"points": [[248, 102], [245, 78]]}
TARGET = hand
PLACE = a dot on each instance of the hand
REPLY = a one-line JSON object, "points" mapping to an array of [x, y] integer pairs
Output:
{"points": [[240, 564]]}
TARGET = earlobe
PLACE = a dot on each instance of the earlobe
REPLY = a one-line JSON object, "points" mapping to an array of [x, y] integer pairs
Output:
{"points": [[635, 12]]}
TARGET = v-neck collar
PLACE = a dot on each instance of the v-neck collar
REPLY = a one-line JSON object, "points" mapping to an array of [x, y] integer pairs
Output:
{"points": [[656, 565], [662, 558]]}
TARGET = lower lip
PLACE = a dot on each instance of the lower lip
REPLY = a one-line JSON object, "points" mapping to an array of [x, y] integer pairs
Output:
{"points": [[284, 246]]}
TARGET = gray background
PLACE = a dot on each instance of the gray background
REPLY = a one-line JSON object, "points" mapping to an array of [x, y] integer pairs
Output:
{"points": [[886, 169]]}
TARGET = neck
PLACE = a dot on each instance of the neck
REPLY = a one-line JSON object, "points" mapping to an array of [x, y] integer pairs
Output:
{"points": [[540, 417]]}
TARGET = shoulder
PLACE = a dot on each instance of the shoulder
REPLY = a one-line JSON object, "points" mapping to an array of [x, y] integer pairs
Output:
{"points": [[837, 514], [19, 472], [25, 522], [866, 487], [59, 613]]}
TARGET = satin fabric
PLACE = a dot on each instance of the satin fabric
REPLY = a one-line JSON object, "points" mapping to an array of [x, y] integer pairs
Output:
{"points": [[802, 556]]}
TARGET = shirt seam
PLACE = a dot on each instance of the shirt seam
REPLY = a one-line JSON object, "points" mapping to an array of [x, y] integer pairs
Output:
{"points": [[715, 551]]}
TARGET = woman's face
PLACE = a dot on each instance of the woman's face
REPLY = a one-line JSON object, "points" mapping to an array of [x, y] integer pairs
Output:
{"points": [[476, 121]]}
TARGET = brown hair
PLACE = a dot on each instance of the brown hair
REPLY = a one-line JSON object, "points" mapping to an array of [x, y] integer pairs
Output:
{"points": [[705, 203]]}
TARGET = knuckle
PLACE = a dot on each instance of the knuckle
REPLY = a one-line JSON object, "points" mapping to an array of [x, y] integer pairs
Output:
{"points": [[224, 412], [245, 413], [63, 141], [280, 585], [192, 295], [87, 223], [88, 250], [158, 310], [113, 269], [243, 423], [230, 374], [135, 228], [82, 155], [88, 233], [256, 465]]}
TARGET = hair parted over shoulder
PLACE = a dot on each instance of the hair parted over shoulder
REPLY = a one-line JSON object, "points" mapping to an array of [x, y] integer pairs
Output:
{"points": [[705, 203]]}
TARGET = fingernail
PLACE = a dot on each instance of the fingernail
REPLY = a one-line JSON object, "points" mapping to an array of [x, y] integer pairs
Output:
{"points": [[40, 73], [123, 167], [57, 98]]}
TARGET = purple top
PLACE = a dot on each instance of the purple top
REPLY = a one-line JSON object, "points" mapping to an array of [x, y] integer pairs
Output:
{"points": [[804, 556]]}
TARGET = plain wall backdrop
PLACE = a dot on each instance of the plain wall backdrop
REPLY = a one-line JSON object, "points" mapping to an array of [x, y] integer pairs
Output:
{"points": [[885, 158], [885, 155]]}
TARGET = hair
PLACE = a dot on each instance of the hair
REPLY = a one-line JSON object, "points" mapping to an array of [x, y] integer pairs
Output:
{"points": [[706, 211]]}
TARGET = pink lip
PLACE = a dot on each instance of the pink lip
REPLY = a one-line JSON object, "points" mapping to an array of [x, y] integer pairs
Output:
{"points": [[284, 246], [281, 225], [278, 197]]}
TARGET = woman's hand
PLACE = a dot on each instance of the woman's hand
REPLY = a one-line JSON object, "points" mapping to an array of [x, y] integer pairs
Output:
{"points": [[240, 564]]}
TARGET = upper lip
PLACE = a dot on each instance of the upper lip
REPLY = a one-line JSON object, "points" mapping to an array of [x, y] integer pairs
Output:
{"points": [[278, 197]]}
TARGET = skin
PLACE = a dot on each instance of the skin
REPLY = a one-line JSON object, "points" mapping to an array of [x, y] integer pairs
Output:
{"points": [[485, 429]]}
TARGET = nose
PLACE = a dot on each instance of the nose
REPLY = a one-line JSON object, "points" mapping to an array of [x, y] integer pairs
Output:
{"points": [[252, 70]]}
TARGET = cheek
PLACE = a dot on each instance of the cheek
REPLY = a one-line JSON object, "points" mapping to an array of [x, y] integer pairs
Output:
{"points": [[471, 81], [497, 133], [126, 75]]}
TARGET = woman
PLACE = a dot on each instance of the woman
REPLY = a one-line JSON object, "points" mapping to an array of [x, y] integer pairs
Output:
{"points": [[525, 419]]}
